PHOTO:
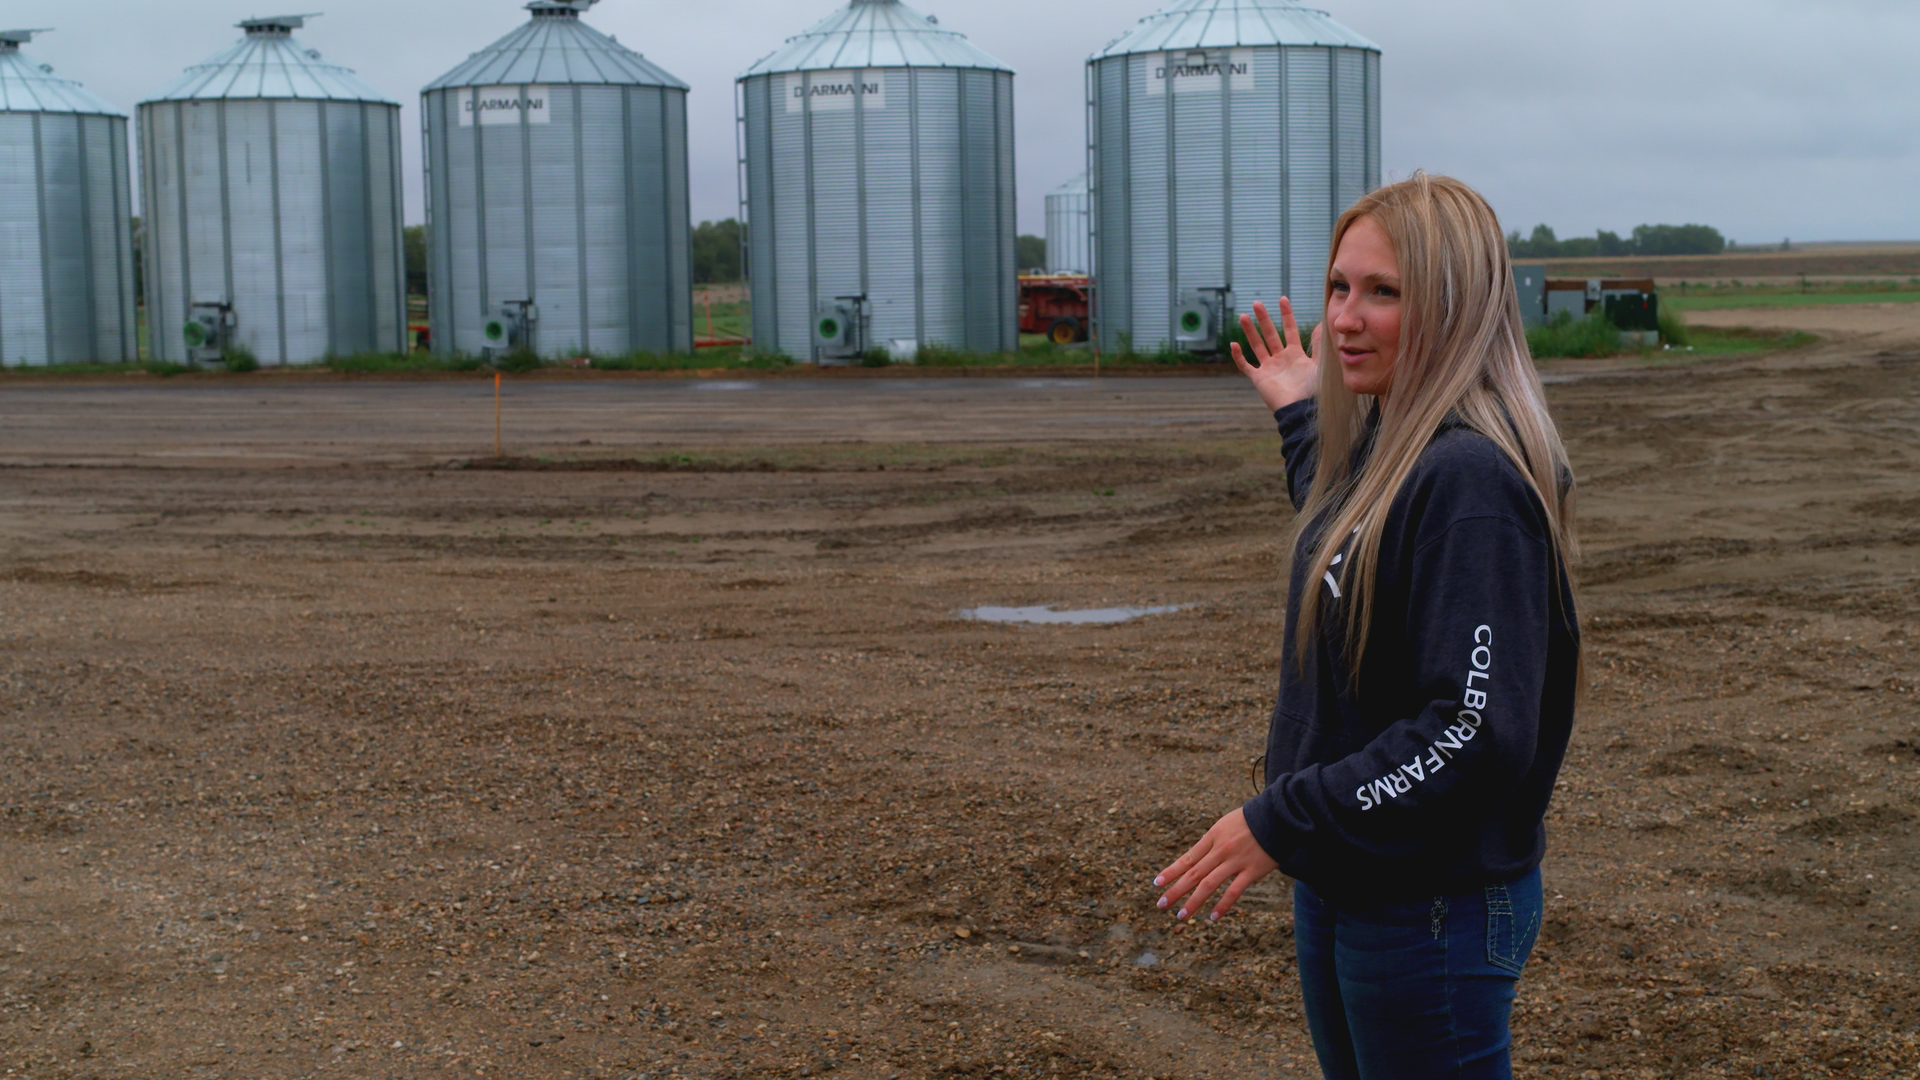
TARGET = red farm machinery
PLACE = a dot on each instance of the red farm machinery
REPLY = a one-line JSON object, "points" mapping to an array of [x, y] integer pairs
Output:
{"points": [[1057, 305]]}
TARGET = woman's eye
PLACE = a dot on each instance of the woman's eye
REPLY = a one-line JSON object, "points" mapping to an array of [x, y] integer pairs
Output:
{"points": [[1387, 292], [1339, 286]]}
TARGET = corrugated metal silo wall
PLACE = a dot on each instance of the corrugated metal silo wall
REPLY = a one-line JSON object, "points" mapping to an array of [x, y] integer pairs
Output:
{"points": [[290, 211], [1261, 161], [585, 214], [66, 244], [1068, 241], [904, 195]]}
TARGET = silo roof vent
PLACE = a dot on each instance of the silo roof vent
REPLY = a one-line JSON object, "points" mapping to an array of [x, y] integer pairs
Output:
{"points": [[276, 25], [11, 40], [876, 34], [27, 87], [560, 9]]}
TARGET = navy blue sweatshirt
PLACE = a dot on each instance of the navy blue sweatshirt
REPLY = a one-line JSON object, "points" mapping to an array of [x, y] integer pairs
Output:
{"points": [[1435, 776]]}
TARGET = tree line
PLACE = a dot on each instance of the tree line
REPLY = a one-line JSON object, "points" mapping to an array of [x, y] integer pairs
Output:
{"points": [[1644, 240]]}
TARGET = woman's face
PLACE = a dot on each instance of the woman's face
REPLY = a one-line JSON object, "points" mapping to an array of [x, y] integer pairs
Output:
{"points": [[1364, 309]]}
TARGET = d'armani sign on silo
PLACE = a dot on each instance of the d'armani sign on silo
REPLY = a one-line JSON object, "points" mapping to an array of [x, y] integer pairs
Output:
{"points": [[506, 105]]}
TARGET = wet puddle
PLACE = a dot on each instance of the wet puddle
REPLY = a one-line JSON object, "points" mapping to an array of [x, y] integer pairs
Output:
{"points": [[1046, 615]]}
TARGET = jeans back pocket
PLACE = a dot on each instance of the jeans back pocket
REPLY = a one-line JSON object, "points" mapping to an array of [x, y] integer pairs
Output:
{"points": [[1510, 933]]}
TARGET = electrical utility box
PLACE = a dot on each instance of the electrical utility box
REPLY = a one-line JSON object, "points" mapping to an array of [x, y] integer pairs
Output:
{"points": [[1530, 282]]}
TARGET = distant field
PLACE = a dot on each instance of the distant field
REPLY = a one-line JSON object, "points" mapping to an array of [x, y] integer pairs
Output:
{"points": [[1896, 261], [1722, 302]]}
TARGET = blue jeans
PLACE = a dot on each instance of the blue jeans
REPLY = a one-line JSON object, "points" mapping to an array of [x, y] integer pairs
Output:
{"points": [[1419, 990]]}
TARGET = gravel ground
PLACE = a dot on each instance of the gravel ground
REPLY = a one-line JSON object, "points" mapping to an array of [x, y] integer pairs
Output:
{"points": [[328, 749]]}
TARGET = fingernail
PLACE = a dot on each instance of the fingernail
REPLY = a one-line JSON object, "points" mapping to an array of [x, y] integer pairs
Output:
{"points": [[1160, 883], [1213, 917], [1162, 904], [1181, 914]]}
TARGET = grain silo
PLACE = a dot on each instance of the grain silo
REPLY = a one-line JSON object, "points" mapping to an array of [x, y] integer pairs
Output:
{"points": [[66, 219], [1070, 228], [557, 199], [1226, 136], [272, 193], [879, 189]]}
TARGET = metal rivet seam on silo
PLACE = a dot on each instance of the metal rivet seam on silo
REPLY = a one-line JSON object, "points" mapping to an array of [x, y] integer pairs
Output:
{"points": [[66, 212], [273, 194], [879, 164], [1225, 138], [557, 177]]}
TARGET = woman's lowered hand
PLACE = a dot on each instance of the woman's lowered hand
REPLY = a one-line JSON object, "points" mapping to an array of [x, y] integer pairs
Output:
{"points": [[1281, 369], [1228, 855]]}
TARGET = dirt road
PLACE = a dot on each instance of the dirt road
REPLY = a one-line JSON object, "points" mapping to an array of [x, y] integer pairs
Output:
{"points": [[322, 753]]}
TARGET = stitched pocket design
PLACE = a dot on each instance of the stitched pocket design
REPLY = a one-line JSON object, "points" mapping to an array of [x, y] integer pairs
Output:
{"points": [[1509, 939]]}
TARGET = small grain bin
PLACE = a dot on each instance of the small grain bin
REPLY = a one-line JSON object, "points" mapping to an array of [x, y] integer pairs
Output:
{"points": [[272, 189], [557, 195], [1226, 137], [878, 171], [66, 219], [1069, 228]]}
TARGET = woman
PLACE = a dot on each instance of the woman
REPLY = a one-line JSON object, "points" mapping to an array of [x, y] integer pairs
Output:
{"points": [[1432, 653]]}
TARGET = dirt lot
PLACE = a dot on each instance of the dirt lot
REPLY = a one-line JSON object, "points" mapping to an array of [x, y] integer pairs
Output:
{"points": [[324, 755]]}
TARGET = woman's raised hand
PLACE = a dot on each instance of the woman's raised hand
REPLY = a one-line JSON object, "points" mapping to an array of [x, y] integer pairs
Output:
{"points": [[1281, 369]]}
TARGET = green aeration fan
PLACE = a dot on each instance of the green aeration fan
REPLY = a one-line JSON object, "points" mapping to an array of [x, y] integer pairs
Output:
{"points": [[195, 334]]}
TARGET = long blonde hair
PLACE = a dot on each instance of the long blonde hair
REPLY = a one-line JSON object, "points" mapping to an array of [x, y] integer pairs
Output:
{"points": [[1463, 354]]}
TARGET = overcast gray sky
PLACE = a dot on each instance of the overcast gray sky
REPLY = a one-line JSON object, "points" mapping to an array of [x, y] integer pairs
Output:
{"points": [[1765, 118]]}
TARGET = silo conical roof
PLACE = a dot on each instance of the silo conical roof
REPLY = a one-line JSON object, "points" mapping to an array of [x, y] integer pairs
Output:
{"points": [[1075, 186], [29, 87], [876, 34], [555, 48], [269, 63], [1222, 24]]}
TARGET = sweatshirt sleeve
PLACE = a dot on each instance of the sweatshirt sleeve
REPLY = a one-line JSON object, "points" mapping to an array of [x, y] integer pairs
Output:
{"points": [[1477, 637], [1300, 446]]}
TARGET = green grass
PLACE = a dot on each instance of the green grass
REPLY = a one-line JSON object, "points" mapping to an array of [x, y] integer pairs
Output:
{"points": [[148, 368], [729, 357], [722, 358], [1041, 354], [1708, 342], [380, 363], [1579, 339], [1594, 337], [1718, 301], [1674, 330], [733, 320], [239, 359]]}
